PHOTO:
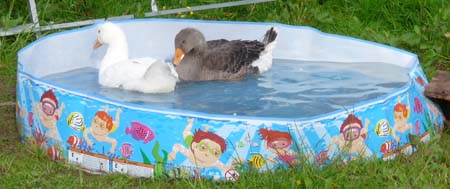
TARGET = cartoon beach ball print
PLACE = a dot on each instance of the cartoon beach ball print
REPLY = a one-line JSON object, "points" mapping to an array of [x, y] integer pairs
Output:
{"points": [[382, 128], [76, 121]]}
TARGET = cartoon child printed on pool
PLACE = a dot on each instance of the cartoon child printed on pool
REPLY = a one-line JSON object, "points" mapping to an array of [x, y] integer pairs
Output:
{"points": [[401, 115], [48, 112], [204, 148], [352, 137], [102, 125], [278, 142]]}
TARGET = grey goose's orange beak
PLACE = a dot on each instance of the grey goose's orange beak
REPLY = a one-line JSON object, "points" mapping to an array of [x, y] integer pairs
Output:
{"points": [[179, 55]]}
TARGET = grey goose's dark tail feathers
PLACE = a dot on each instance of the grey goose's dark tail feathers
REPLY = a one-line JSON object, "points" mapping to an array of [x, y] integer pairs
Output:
{"points": [[270, 36]]}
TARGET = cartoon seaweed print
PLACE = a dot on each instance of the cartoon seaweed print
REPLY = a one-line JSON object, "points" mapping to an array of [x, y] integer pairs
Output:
{"points": [[40, 138], [204, 148], [433, 111], [21, 113], [401, 115], [279, 142], [103, 125], [49, 113], [24, 117], [351, 138]]}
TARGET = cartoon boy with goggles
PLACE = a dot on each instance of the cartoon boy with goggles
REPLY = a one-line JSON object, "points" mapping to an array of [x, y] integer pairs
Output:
{"points": [[49, 113], [204, 148], [352, 136]]}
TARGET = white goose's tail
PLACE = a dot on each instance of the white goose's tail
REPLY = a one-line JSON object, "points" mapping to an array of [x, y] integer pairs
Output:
{"points": [[160, 77], [264, 61]]}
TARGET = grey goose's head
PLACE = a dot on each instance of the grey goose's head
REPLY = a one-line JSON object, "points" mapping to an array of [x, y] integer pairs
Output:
{"points": [[187, 40]]}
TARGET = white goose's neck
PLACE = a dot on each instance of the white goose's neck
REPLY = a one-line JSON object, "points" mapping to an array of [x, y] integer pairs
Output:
{"points": [[117, 51]]}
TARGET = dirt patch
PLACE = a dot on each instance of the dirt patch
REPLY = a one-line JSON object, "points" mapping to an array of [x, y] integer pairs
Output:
{"points": [[7, 90], [9, 135], [447, 124]]}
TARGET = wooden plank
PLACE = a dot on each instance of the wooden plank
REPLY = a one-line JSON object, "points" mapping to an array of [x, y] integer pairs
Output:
{"points": [[439, 87], [442, 76]]}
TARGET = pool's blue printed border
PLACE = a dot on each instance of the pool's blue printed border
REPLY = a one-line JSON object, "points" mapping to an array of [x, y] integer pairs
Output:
{"points": [[355, 107]]}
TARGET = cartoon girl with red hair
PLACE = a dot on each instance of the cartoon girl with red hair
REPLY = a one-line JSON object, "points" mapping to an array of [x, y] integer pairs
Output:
{"points": [[203, 148], [352, 137], [102, 125], [49, 113], [401, 115], [278, 142]]}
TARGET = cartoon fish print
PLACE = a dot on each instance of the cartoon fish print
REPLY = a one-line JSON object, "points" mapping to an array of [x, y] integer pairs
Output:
{"points": [[74, 141], [420, 81], [256, 161], [75, 121], [382, 128], [53, 153], [140, 131], [126, 150], [322, 157], [388, 147]]}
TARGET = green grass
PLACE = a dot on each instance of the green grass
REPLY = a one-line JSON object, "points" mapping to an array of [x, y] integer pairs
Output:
{"points": [[418, 26]]}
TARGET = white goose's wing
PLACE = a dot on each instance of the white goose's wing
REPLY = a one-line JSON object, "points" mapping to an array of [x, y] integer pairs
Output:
{"points": [[125, 71], [158, 78], [172, 70]]}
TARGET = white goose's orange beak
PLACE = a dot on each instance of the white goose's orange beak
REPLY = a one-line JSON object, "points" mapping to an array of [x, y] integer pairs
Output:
{"points": [[97, 44], [179, 55]]}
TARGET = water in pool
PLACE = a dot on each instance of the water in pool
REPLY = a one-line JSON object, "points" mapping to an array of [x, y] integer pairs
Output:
{"points": [[291, 89]]}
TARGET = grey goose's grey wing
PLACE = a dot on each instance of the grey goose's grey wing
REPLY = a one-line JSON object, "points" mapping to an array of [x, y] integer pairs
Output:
{"points": [[216, 43], [233, 55]]}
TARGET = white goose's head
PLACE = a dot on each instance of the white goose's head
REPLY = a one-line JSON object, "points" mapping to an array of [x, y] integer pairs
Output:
{"points": [[111, 34], [117, 51]]}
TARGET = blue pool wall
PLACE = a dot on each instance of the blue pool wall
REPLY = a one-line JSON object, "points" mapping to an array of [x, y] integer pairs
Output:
{"points": [[241, 138]]}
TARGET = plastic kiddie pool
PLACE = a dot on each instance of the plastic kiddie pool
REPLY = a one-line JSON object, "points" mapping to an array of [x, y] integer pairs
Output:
{"points": [[104, 134]]}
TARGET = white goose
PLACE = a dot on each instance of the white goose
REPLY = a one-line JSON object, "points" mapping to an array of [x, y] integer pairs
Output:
{"points": [[147, 75]]}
